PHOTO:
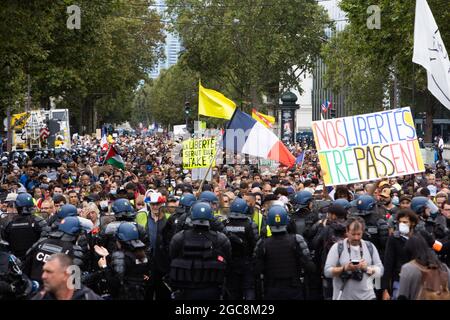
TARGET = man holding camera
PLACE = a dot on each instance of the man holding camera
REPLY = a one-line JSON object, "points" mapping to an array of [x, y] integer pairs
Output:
{"points": [[353, 264]]}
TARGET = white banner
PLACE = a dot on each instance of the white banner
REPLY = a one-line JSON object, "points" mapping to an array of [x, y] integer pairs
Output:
{"points": [[430, 52]]}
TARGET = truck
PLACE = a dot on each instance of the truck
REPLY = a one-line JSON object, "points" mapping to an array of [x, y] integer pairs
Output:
{"points": [[40, 129]]}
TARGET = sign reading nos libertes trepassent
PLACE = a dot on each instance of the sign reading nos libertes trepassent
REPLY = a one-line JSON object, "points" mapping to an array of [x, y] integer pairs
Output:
{"points": [[368, 147]]}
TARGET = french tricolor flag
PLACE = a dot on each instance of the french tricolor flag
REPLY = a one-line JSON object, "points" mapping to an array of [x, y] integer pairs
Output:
{"points": [[246, 135]]}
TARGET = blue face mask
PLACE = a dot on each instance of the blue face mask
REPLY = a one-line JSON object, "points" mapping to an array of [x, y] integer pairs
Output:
{"points": [[395, 201]]}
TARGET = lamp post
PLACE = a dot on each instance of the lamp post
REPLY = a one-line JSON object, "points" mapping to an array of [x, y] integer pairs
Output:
{"points": [[8, 114], [187, 113], [288, 123]]}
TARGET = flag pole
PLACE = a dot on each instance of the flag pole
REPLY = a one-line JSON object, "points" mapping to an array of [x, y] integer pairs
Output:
{"points": [[215, 156]]}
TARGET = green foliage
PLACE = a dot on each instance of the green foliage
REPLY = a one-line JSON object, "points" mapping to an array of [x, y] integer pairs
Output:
{"points": [[248, 47], [363, 63], [98, 65]]}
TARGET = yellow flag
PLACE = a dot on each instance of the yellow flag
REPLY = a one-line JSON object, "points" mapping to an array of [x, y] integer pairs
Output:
{"points": [[265, 119], [214, 104], [19, 120]]}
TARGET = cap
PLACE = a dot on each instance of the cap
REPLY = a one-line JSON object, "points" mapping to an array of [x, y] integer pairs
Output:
{"points": [[11, 197], [383, 183], [386, 192], [405, 197], [93, 197]]}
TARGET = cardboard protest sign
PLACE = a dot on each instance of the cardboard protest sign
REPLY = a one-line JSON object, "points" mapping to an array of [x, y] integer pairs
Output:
{"points": [[368, 147], [198, 153]]}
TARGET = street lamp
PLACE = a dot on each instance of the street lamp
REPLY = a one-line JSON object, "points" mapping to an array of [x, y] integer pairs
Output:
{"points": [[187, 113]]}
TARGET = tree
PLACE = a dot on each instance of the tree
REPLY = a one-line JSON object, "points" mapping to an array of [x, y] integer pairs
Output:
{"points": [[369, 64], [249, 47], [94, 70]]}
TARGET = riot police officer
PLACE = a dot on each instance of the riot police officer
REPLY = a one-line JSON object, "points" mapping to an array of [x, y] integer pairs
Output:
{"points": [[377, 228], [172, 224], [303, 218], [281, 257], [199, 257], [123, 211], [13, 283], [128, 272], [61, 241], [243, 234], [67, 210], [430, 218], [25, 228], [185, 220]]}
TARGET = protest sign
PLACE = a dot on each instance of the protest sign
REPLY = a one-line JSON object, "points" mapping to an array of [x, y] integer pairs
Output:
{"points": [[368, 147], [198, 153]]}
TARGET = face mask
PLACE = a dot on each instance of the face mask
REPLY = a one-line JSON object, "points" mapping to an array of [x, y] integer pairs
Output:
{"points": [[113, 191], [179, 192], [403, 228], [102, 179], [395, 200], [104, 204]]}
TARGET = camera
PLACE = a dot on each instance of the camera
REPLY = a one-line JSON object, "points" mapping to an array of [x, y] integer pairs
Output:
{"points": [[355, 275]]}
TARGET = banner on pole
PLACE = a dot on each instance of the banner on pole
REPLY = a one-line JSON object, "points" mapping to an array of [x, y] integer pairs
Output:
{"points": [[368, 147], [198, 153]]}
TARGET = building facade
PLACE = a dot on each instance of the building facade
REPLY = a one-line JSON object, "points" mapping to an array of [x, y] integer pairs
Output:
{"points": [[171, 48]]}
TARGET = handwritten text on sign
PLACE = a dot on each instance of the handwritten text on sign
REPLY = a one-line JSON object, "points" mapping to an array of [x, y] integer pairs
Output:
{"points": [[368, 147], [198, 153]]}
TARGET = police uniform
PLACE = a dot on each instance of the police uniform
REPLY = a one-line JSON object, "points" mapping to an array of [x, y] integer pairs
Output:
{"points": [[40, 252], [280, 259], [199, 258], [243, 234], [129, 270], [22, 232]]}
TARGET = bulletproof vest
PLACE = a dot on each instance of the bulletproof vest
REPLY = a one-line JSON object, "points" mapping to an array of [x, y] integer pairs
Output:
{"points": [[199, 265], [23, 234], [301, 219], [44, 250], [131, 272], [107, 237], [377, 230], [280, 259], [235, 230]]}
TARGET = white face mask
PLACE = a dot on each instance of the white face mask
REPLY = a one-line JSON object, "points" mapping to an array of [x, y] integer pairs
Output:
{"points": [[403, 228], [104, 204]]}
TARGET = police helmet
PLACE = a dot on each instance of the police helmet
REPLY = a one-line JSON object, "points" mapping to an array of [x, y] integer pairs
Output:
{"points": [[187, 200], [365, 203], [67, 210], [70, 225], [277, 218], [208, 196], [302, 199], [201, 213], [343, 203], [419, 204], [24, 200], [122, 208], [239, 205], [129, 234]]}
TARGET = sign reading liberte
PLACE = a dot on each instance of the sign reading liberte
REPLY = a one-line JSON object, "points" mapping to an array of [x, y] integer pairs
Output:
{"points": [[198, 153], [368, 147]]}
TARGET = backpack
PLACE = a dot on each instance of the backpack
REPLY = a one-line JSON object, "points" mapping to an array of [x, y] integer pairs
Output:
{"points": [[369, 247], [434, 283]]}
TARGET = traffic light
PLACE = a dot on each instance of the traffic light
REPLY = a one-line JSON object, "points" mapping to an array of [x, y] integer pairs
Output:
{"points": [[187, 109], [333, 113]]}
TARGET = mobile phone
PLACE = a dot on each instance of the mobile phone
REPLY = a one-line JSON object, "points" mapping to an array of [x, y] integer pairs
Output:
{"points": [[355, 262]]}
